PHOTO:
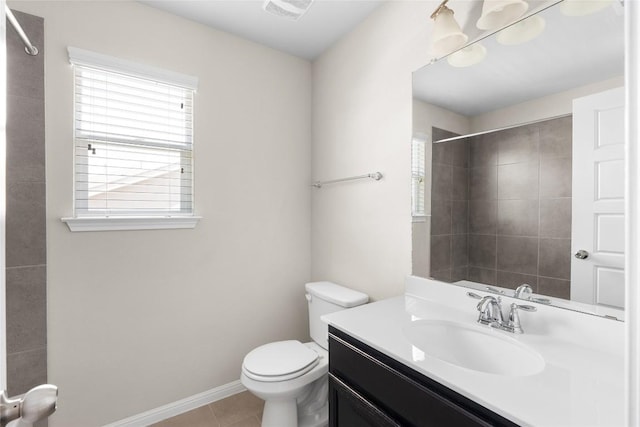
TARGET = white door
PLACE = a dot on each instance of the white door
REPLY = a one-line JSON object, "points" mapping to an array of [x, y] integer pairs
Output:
{"points": [[597, 264]]}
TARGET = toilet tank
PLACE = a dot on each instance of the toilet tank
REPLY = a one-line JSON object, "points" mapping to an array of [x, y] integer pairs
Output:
{"points": [[325, 298]]}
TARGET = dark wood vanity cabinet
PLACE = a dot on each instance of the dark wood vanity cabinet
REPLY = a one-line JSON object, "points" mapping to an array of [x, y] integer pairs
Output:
{"points": [[370, 389]]}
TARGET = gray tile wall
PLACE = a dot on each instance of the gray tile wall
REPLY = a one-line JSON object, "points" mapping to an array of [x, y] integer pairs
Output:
{"points": [[518, 208], [449, 208], [26, 230]]}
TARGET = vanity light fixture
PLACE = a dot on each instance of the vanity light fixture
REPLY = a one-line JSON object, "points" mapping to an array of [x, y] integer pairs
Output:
{"points": [[583, 7], [447, 35], [498, 13], [467, 56], [522, 32], [288, 9]]}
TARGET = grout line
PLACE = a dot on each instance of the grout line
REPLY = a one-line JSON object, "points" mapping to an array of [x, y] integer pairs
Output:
{"points": [[32, 350], [25, 266], [11, 181], [554, 278], [213, 414]]}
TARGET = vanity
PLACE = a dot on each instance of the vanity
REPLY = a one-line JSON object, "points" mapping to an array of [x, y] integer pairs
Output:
{"points": [[422, 359]]}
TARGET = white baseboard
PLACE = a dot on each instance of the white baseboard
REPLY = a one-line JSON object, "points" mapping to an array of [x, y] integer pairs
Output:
{"points": [[181, 406]]}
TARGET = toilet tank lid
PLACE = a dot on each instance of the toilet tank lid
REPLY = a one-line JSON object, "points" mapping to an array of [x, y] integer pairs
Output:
{"points": [[336, 294]]}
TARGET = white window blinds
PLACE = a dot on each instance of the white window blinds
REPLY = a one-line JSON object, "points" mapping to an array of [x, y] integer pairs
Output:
{"points": [[417, 176], [133, 144]]}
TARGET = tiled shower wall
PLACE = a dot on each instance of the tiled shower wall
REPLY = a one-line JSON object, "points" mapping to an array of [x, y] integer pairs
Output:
{"points": [[449, 207], [519, 210], [25, 221]]}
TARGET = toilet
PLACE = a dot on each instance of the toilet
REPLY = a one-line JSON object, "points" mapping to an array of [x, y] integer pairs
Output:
{"points": [[290, 376]]}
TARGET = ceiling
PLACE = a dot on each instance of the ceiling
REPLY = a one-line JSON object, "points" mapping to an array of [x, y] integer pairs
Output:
{"points": [[325, 22]]}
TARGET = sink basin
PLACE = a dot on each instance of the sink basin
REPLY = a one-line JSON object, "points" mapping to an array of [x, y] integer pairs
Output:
{"points": [[472, 347]]}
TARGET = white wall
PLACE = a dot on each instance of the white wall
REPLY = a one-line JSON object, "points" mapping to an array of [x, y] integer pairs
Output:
{"points": [[143, 318], [361, 231], [555, 105]]}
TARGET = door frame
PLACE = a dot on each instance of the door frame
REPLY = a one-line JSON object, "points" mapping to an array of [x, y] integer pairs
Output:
{"points": [[3, 193], [632, 208]]}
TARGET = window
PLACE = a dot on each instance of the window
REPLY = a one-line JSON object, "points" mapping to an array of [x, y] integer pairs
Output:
{"points": [[417, 176], [133, 140]]}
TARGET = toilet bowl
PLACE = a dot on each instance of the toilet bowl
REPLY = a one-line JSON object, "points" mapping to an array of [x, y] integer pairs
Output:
{"points": [[293, 396], [290, 376]]}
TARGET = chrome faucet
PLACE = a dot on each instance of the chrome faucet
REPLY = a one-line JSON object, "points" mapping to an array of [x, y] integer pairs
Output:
{"points": [[490, 313], [523, 291]]}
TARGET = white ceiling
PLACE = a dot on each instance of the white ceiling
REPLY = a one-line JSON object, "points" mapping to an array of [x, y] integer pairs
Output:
{"points": [[325, 22]]}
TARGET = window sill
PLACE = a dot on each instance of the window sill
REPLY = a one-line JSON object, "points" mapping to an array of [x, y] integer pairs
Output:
{"points": [[419, 218], [130, 223]]}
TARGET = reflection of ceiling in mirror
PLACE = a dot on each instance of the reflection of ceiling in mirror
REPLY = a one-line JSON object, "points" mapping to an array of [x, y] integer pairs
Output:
{"points": [[571, 52]]}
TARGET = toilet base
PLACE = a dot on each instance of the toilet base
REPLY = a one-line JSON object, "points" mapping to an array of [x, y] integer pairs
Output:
{"points": [[283, 413], [319, 419], [280, 413], [313, 405]]}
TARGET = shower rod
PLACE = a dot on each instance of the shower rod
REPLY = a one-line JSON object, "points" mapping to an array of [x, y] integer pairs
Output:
{"points": [[375, 175], [28, 47]]}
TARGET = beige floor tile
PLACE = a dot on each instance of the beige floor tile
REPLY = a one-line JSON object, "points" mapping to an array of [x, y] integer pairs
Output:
{"points": [[201, 417], [236, 408], [248, 422]]}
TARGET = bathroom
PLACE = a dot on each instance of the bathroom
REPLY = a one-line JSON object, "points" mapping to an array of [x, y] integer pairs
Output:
{"points": [[141, 319]]}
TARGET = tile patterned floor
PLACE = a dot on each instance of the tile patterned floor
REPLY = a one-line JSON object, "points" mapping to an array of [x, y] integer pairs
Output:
{"points": [[240, 410]]}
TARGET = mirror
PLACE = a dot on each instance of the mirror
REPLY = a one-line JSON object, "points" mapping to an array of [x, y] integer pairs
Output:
{"points": [[517, 162]]}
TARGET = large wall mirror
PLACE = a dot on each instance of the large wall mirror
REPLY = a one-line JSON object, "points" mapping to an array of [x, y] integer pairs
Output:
{"points": [[517, 161]]}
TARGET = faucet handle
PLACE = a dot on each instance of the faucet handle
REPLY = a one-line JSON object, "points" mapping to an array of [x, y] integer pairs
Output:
{"points": [[494, 290], [513, 324], [473, 295], [524, 307]]}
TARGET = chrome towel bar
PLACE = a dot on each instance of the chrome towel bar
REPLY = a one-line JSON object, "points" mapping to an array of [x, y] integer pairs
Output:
{"points": [[375, 175]]}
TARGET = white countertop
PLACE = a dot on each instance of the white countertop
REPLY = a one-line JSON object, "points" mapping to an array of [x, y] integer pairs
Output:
{"points": [[582, 381]]}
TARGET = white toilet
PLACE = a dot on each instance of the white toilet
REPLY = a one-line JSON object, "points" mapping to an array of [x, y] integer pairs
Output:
{"points": [[291, 377]]}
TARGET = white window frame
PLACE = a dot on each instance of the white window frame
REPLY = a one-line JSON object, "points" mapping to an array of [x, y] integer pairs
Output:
{"points": [[418, 178], [77, 222]]}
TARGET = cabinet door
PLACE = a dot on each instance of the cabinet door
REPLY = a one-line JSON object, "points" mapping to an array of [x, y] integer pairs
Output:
{"points": [[347, 408], [403, 395]]}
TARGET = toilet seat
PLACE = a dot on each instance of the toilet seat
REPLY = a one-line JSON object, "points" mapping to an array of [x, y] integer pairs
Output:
{"points": [[279, 361]]}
